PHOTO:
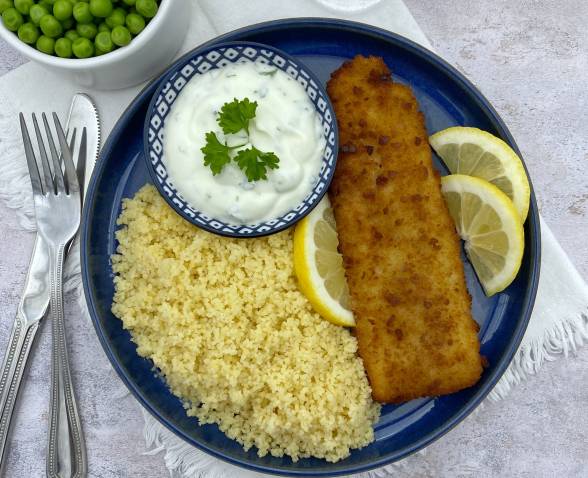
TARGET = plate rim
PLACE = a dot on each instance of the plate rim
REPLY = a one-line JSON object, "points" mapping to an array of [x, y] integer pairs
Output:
{"points": [[533, 225]]}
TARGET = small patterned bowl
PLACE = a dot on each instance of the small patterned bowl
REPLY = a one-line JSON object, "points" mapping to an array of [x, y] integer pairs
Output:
{"points": [[200, 61]]}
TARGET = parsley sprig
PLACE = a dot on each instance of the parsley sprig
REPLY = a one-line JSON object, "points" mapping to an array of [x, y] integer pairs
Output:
{"points": [[234, 117], [216, 154], [255, 163]]}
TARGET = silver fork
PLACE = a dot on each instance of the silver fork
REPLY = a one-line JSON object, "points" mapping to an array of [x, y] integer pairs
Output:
{"points": [[57, 200]]}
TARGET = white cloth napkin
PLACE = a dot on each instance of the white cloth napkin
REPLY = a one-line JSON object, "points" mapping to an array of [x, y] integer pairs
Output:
{"points": [[559, 323]]}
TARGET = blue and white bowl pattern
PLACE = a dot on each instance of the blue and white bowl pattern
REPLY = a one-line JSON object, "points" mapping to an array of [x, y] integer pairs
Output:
{"points": [[218, 57]]}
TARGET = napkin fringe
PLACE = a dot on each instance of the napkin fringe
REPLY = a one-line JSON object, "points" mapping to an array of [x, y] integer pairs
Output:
{"points": [[564, 337], [180, 458], [183, 460]]}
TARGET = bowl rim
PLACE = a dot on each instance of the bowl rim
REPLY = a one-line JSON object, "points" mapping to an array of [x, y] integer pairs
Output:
{"points": [[510, 348], [97, 61], [226, 231]]}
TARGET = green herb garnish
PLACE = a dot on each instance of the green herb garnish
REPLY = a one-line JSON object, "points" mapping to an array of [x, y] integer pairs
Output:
{"points": [[216, 154], [234, 117], [255, 163]]}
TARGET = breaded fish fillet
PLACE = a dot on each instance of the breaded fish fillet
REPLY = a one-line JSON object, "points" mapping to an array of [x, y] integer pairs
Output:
{"points": [[402, 255]]}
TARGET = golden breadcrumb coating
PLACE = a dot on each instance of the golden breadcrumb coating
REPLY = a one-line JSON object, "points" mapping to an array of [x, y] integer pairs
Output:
{"points": [[402, 255]]}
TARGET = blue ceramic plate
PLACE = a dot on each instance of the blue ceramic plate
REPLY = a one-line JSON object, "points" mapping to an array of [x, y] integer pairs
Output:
{"points": [[200, 61], [447, 99]]}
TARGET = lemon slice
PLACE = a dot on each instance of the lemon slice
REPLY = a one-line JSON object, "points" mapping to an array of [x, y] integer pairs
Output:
{"points": [[319, 266], [477, 153], [488, 222]]}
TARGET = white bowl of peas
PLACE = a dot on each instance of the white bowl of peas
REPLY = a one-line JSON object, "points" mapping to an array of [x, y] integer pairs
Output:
{"points": [[103, 44]]}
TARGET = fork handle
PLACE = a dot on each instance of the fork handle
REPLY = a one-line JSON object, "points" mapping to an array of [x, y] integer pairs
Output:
{"points": [[15, 360], [66, 453]]}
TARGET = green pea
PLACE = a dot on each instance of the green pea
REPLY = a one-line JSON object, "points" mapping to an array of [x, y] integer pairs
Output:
{"points": [[6, 4], [135, 23], [81, 12], [121, 36], [63, 48], [72, 35], [68, 23], [87, 30], [12, 19], [116, 18], [50, 2], [101, 8], [62, 9], [50, 26], [46, 45], [129, 2], [28, 33], [46, 5], [83, 48], [103, 27], [23, 6], [36, 13], [147, 8], [103, 42]]}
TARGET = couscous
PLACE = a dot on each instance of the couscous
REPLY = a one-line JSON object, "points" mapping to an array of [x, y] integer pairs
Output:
{"points": [[226, 326]]}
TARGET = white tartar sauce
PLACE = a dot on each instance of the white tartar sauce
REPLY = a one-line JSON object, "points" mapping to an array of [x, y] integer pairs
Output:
{"points": [[285, 123]]}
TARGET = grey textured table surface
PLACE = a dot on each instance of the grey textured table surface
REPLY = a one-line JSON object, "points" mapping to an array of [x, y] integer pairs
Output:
{"points": [[530, 58]]}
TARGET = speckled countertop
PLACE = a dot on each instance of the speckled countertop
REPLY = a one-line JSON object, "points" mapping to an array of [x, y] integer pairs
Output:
{"points": [[530, 58]]}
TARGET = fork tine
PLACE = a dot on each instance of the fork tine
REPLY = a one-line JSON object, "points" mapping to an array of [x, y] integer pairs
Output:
{"points": [[48, 185], [30, 155], [72, 142], [59, 183], [70, 169], [81, 166], [71, 137]]}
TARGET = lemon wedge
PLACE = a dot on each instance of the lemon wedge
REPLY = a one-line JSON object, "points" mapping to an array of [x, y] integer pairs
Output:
{"points": [[319, 265], [477, 153], [488, 222]]}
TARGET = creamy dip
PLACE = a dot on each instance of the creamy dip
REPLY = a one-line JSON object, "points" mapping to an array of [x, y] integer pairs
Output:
{"points": [[286, 123]]}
